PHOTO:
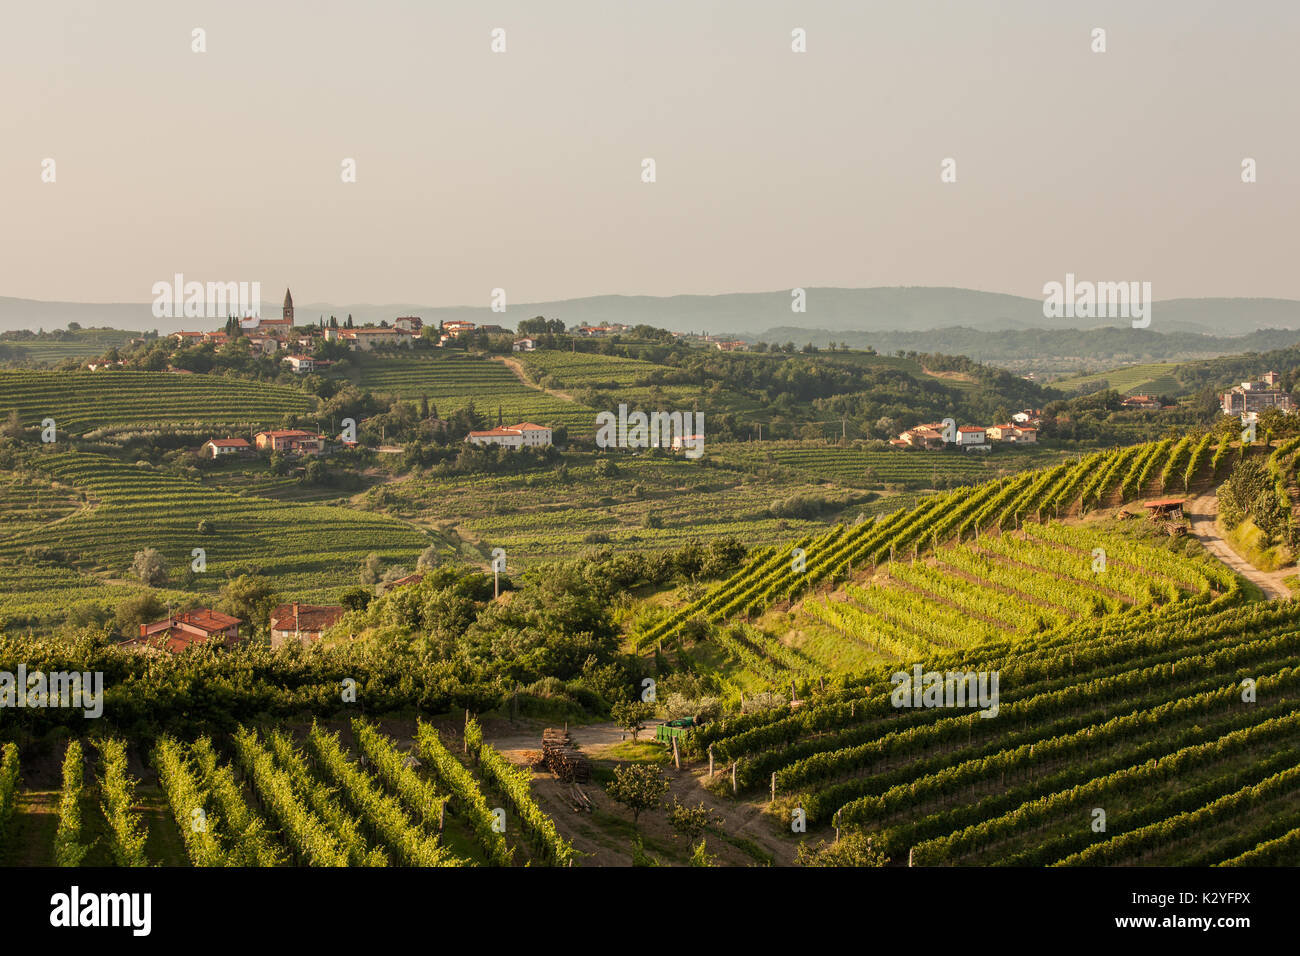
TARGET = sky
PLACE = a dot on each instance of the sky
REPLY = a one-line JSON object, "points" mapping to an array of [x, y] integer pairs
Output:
{"points": [[522, 170]]}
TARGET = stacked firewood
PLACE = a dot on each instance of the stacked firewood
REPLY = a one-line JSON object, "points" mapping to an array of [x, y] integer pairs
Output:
{"points": [[562, 758]]}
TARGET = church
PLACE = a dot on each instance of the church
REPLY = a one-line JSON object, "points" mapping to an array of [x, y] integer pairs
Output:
{"points": [[281, 327]]}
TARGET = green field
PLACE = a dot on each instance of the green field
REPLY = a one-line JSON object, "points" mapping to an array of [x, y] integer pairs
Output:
{"points": [[83, 401], [307, 551]]}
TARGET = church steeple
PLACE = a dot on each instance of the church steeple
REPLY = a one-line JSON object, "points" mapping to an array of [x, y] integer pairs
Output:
{"points": [[288, 305]]}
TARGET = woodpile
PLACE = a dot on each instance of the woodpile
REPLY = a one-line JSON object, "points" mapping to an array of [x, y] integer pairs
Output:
{"points": [[562, 758], [578, 800]]}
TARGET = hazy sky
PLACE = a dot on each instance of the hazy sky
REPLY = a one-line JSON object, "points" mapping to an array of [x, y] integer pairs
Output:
{"points": [[522, 170]]}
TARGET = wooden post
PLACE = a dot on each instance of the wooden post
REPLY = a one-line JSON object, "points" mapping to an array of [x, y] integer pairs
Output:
{"points": [[773, 800], [677, 758], [710, 761], [442, 815], [909, 855], [464, 737], [733, 776], [792, 693]]}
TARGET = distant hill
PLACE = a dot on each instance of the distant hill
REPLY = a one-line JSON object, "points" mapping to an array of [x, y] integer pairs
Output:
{"points": [[898, 308]]}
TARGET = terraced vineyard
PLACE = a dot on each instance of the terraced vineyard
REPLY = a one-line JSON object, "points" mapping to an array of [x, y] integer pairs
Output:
{"points": [[276, 801], [1144, 716], [987, 571], [453, 380], [308, 550], [860, 467], [83, 401]]}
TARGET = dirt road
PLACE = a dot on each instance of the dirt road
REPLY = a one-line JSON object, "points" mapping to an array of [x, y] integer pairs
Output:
{"points": [[1201, 512]]}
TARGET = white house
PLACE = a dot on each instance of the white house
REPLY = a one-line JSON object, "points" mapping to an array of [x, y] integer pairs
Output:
{"points": [[524, 345], [523, 435], [301, 364], [223, 447], [972, 437]]}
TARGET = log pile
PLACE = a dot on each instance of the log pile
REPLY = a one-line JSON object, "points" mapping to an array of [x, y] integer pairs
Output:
{"points": [[562, 758]]}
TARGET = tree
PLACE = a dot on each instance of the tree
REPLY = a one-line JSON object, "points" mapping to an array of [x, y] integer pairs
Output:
{"points": [[248, 598], [149, 567], [13, 426], [74, 326], [638, 787], [136, 610], [853, 848], [372, 569], [691, 822], [631, 715]]}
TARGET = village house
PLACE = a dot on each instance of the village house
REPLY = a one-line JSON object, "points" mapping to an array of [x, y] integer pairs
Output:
{"points": [[524, 345], [730, 345], [1028, 416], [923, 436], [225, 448], [1141, 403], [302, 623], [266, 344], [1255, 397], [415, 578], [456, 328], [523, 435], [972, 438], [409, 323], [364, 340], [301, 364], [1012, 434], [291, 440], [176, 632]]}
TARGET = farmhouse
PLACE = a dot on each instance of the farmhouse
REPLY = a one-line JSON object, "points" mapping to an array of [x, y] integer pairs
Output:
{"points": [[225, 447], [409, 323], [266, 344], [523, 435], [302, 623], [301, 364], [731, 345], [291, 440], [457, 328], [175, 633], [524, 345]]}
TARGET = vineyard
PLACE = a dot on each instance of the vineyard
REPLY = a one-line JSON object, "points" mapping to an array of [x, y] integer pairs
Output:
{"points": [[309, 549], [454, 380], [859, 467], [643, 501], [273, 799], [82, 401], [956, 569], [1180, 728]]}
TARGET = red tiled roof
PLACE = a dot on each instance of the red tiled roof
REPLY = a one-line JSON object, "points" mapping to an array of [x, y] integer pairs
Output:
{"points": [[290, 433], [311, 617], [529, 426], [497, 433], [228, 443]]}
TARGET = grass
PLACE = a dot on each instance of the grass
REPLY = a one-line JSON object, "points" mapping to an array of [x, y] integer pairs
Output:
{"points": [[1248, 541]]}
